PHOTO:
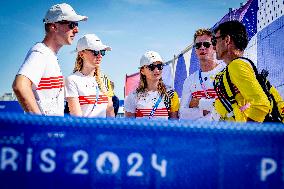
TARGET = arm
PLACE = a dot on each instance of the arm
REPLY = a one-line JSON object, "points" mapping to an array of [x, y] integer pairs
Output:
{"points": [[22, 88], [110, 109], [130, 105], [74, 106], [188, 105], [243, 77]]}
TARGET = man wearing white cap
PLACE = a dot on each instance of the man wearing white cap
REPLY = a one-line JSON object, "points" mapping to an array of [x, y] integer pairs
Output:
{"points": [[88, 91], [152, 99], [39, 84]]}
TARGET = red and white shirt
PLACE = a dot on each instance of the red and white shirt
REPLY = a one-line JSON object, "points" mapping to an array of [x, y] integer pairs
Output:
{"points": [[86, 89], [142, 104], [42, 68], [193, 89]]}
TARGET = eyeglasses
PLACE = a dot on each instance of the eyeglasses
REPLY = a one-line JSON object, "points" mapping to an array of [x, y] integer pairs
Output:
{"points": [[205, 44], [96, 53], [153, 66], [71, 25], [214, 39]]}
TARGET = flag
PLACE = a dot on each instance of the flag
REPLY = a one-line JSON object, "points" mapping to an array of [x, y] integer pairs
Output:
{"points": [[180, 74]]}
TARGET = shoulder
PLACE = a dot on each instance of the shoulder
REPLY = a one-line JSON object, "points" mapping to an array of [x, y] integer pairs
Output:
{"points": [[74, 76]]}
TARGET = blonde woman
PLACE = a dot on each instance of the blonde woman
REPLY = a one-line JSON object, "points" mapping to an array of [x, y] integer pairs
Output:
{"points": [[152, 99], [88, 90]]}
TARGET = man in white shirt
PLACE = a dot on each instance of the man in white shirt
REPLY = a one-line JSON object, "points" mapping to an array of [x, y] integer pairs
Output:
{"points": [[198, 94], [39, 85]]}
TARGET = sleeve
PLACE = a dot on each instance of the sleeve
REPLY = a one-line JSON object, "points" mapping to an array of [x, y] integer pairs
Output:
{"points": [[175, 103], [185, 112], [130, 103], [109, 87], [33, 66], [71, 89], [243, 77]]}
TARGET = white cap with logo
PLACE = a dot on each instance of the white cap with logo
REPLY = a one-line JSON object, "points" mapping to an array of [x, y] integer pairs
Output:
{"points": [[62, 12], [149, 58], [91, 42]]}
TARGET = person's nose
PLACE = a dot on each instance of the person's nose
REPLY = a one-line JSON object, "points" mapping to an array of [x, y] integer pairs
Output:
{"points": [[76, 29]]}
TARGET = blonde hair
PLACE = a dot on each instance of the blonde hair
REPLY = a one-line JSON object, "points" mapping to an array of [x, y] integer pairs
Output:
{"points": [[78, 64], [201, 32], [143, 85], [78, 67]]}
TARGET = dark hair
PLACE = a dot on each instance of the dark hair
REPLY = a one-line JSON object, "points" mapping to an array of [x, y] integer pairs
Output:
{"points": [[236, 30], [47, 27]]}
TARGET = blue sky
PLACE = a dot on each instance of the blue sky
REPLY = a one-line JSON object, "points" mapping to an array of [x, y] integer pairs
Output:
{"points": [[130, 27]]}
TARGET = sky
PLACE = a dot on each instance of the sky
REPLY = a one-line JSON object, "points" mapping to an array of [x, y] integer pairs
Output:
{"points": [[130, 27]]}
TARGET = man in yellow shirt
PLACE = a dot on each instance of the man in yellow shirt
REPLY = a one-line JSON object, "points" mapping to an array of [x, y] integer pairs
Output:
{"points": [[248, 101]]}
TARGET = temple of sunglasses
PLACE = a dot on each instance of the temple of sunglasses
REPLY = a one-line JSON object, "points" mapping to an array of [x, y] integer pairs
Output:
{"points": [[153, 66], [71, 25], [205, 44], [214, 40], [96, 53]]}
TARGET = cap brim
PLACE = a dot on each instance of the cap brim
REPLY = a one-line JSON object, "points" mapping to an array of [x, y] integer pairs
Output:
{"points": [[101, 47], [76, 18]]}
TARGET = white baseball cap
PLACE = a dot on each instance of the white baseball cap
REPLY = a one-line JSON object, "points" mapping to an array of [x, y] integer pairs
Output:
{"points": [[149, 58], [92, 42], [60, 12]]}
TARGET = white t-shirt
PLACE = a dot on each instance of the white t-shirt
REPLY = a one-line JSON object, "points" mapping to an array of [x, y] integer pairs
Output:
{"points": [[42, 68], [142, 104], [92, 101], [193, 89]]}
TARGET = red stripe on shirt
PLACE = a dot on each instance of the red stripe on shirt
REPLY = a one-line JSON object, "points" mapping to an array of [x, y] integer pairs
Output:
{"points": [[50, 83], [145, 112], [103, 99]]}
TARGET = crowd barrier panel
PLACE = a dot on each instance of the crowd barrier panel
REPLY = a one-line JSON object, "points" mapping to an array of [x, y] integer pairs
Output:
{"points": [[71, 152]]}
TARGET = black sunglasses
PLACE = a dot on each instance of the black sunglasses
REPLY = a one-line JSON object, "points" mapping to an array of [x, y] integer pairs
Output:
{"points": [[153, 66], [214, 39], [205, 44], [71, 25], [96, 53]]}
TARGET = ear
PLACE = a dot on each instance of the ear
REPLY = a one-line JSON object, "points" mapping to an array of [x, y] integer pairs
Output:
{"points": [[228, 39], [142, 71], [81, 54]]}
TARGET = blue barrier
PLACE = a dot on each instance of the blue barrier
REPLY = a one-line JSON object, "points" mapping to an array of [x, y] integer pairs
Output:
{"points": [[69, 152]]}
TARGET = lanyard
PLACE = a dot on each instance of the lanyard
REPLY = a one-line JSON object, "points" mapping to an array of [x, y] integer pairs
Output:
{"points": [[155, 107], [97, 98], [203, 86]]}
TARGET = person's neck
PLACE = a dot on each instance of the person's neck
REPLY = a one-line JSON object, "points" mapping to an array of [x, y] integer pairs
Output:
{"points": [[88, 71], [233, 55], [207, 65], [152, 86], [51, 43]]}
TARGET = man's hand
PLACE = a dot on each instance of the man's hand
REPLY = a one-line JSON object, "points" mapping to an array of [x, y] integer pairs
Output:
{"points": [[194, 102], [205, 112]]}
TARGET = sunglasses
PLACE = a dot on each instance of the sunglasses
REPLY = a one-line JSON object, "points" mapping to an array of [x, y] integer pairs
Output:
{"points": [[71, 25], [214, 40], [153, 66], [205, 44], [96, 53]]}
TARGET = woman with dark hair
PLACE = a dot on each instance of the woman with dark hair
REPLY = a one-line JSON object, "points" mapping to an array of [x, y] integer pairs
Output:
{"points": [[152, 98]]}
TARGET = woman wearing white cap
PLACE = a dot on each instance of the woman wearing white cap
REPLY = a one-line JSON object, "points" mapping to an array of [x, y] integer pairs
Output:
{"points": [[152, 99], [88, 91]]}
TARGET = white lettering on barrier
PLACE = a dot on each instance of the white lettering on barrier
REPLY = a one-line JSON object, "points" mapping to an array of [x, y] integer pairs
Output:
{"points": [[268, 166], [76, 158], [44, 157], [133, 171], [161, 168], [107, 163], [29, 159], [7, 160]]}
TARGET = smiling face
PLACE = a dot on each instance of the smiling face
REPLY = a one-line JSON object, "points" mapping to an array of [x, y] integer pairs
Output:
{"points": [[153, 72], [204, 48]]}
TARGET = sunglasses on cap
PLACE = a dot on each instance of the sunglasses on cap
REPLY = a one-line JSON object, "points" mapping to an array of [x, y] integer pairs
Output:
{"points": [[153, 66], [205, 44], [71, 25], [96, 53]]}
